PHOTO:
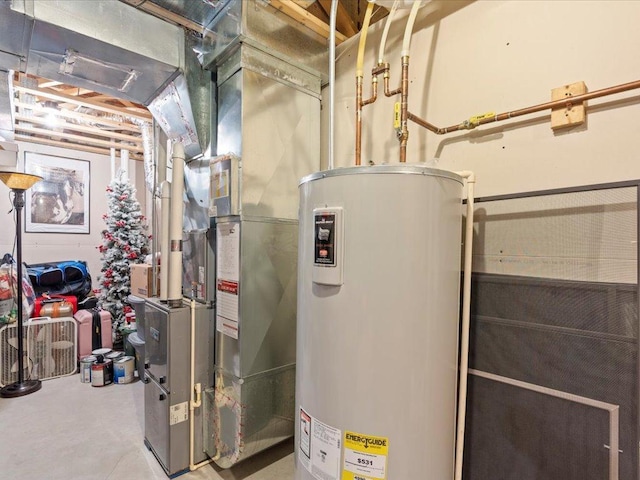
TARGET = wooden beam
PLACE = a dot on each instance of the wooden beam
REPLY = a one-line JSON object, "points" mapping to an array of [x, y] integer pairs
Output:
{"points": [[98, 132], [71, 146], [344, 23], [49, 84], [73, 91], [79, 116], [167, 15], [300, 15], [60, 97], [77, 138], [317, 11], [304, 3]]}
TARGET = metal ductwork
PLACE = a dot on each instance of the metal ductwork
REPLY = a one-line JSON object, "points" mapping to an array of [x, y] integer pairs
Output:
{"points": [[108, 47], [6, 106], [103, 46]]}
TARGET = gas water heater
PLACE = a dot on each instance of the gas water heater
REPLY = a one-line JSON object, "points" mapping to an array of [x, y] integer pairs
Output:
{"points": [[377, 339]]}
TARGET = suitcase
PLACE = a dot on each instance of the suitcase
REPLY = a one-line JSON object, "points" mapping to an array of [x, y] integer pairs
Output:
{"points": [[51, 299], [94, 330], [56, 309]]}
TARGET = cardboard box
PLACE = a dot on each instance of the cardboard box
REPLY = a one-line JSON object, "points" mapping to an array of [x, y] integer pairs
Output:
{"points": [[142, 280]]}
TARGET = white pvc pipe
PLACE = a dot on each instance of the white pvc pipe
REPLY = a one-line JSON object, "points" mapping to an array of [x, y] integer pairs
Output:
{"points": [[175, 227], [165, 206], [385, 32], [466, 315], [196, 391], [406, 42], [332, 80], [112, 152], [124, 164]]}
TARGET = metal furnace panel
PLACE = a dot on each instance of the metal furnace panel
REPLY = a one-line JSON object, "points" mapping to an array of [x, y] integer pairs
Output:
{"points": [[266, 300], [198, 251], [170, 441]]}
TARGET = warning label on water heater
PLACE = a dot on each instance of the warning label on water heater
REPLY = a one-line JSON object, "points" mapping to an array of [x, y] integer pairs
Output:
{"points": [[319, 449], [365, 457]]}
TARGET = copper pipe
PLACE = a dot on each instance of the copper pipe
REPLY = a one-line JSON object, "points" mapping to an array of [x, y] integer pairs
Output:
{"points": [[424, 123], [386, 88], [403, 135], [358, 119], [374, 92], [565, 102]]}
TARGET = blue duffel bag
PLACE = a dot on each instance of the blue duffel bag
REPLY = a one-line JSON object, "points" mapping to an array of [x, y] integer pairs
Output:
{"points": [[67, 277]]}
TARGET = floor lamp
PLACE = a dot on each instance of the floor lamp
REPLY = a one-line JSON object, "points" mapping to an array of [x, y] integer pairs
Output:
{"points": [[19, 183]]}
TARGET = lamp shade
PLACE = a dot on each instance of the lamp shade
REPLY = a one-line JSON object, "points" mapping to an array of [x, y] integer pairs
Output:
{"points": [[18, 180]]}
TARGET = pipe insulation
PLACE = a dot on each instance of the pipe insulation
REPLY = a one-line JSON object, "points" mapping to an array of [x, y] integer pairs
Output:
{"points": [[175, 227], [466, 316], [165, 206]]}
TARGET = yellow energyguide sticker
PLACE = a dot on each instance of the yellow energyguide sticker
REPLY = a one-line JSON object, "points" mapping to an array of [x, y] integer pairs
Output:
{"points": [[365, 457]]}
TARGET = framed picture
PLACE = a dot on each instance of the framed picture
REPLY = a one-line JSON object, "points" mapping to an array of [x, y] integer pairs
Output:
{"points": [[60, 202]]}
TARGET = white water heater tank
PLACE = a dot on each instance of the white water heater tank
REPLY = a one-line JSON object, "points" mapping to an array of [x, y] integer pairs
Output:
{"points": [[378, 303]]}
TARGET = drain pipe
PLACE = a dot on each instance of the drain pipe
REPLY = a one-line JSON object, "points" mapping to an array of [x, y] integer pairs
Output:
{"points": [[359, 77], [466, 315], [332, 81], [175, 227], [196, 388]]}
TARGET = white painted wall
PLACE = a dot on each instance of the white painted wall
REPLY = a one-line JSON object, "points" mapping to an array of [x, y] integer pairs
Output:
{"points": [[468, 58], [43, 247]]}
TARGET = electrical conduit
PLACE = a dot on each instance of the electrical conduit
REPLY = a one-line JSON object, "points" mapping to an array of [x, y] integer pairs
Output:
{"points": [[359, 77], [332, 80], [466, 315]]}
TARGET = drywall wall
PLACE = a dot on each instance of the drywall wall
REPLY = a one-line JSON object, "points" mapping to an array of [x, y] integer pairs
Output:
{"points": [[468, 58], [43, 247]]}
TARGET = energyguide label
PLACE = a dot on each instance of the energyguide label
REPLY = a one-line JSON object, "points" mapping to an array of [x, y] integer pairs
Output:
{"points": [[365, 457]]}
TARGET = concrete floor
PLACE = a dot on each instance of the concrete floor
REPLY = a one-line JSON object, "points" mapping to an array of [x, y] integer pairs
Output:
{"points": [[71, 430]]}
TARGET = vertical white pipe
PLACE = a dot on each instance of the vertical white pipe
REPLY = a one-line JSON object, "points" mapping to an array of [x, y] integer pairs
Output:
{"points": [[165, 205], [175, 227], [196, 391], [385, 32], [332, 80], [124, 164], [113, 162], [406, 42], [466, 314]]}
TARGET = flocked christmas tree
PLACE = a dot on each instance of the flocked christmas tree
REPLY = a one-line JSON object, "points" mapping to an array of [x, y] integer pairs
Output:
{"points": [[123, 242]]}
